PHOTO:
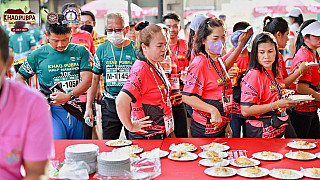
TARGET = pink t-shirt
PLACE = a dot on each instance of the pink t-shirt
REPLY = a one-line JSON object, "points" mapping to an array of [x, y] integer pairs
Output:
{"points": [[84, 38], [25, 130]]}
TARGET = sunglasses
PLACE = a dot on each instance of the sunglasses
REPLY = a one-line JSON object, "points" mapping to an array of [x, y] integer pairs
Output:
{"points": [[115, 30]]}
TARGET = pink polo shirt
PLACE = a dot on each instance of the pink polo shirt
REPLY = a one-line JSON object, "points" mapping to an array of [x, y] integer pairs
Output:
{"points": [[25, 128]]}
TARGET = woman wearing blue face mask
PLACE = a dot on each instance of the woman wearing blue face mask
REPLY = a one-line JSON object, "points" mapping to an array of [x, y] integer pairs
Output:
{"points": [[208, 89]]}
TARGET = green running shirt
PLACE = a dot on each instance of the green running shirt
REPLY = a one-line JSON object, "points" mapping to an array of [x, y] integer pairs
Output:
{"points": [[104, 63], [52, 66], [21, 44]]}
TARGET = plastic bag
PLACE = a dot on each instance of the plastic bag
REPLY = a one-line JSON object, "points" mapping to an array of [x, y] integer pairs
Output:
{"points": [[146, 168], [71, 170]]}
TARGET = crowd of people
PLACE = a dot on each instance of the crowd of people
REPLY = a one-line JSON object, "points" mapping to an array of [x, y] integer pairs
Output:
{"points": [[155, 84]]}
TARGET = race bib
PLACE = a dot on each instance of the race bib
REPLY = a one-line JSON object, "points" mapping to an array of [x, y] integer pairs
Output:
{"points": [[227, 99], [116, 77], [68, 83], [169, 123]]}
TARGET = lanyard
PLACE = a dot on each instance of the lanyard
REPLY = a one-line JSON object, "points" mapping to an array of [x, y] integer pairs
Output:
{"points": [[153, 68], [224, 78], [275, 84], [114, 57], [177, 49]]}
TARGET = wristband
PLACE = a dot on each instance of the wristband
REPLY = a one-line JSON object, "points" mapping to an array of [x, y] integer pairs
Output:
{"points": [[271, 107], [278, 107]]}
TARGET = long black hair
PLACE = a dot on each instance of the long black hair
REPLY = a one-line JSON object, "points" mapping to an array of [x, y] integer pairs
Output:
{"points": [[300, 40], [298, 19], [190, 44], [4, 45], [274, 25], [204, 30], [264, 37]]}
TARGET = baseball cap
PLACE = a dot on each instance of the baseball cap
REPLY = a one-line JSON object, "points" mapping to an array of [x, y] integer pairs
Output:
{"points": [[196, 21], [312, 29], [295, 12]]}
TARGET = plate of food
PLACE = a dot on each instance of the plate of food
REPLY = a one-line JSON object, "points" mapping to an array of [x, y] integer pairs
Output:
{"points": [[311, 172], [155, 153], [215, 147], [253, 172], [215, 161], [301, 97], [301, 145], [220, 171], [300, 155], [118, 143], [210, 154], [267, 156], [183, 147], [285, 174], [182, 156], [133, 149], [243, 161], [134, 157], [311, 64]]}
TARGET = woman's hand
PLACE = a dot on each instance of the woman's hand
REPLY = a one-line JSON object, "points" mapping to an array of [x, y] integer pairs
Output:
{"points": [[303, 102], [215, 117], [303, 67], [244, 37], [286, 103], [228, 131], [137, 126], [232, 73]]}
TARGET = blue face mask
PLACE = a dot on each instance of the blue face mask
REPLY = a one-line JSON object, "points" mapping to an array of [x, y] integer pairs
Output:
{"points": [[216, 47]]}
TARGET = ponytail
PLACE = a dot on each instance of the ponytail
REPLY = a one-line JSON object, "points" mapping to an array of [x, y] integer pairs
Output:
{"points": [[300, 40]]}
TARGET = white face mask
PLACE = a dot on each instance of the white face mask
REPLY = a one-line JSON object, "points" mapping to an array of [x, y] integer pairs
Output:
{"points": [[115, 38]]}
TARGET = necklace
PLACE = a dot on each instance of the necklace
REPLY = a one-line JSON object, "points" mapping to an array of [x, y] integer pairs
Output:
{"points": [[114, 57], [167, 88]]}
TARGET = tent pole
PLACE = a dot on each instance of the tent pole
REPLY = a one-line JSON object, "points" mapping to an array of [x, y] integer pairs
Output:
{"points": [[129, 9], [160, 10]]}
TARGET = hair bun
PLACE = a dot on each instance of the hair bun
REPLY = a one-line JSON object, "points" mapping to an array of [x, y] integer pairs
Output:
{"points": [[141, 25]]}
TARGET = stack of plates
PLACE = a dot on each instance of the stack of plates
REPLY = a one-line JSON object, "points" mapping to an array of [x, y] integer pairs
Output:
{"points": [[83, 152], [113, 164]]}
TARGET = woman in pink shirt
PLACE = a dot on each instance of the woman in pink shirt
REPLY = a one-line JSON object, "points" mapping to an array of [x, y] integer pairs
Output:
{"points": [[26, 130]]}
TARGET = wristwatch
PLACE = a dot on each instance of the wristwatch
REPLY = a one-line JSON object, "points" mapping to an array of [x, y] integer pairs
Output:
{"points": [[72, 97]]}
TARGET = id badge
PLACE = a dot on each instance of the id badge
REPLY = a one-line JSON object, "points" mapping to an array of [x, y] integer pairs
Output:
{"points": [[227, 100], [169, 123], [116, 77], [175, 81], [68, 83]]}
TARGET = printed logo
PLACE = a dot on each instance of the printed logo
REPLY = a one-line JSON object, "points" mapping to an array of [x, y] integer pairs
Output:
{"points": [[70, 16], [72, 58], [13, 15], [52, 17], [13, 156]]}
